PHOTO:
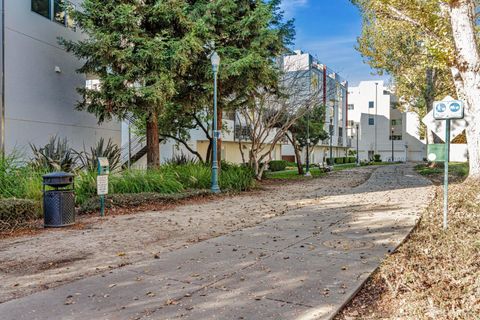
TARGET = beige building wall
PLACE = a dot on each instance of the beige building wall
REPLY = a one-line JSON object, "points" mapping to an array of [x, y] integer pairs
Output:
{"points": [[231, 151]]}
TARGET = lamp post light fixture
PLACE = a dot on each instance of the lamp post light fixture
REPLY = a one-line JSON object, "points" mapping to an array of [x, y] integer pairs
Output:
{"points": [[215, 59], [391, 137], [358, 155]]}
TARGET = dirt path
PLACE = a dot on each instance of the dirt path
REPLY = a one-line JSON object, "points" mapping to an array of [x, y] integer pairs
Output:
{"points": [[33, 263]]}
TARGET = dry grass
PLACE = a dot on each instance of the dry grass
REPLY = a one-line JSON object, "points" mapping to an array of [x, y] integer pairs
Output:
{"points": [[435, 274]]}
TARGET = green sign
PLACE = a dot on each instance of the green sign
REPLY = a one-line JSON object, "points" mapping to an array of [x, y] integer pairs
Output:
{"points": [[436, 152]]}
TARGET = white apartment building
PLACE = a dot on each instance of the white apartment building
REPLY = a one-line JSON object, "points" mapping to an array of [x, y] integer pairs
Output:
{"points": [[373, 108], [38, 86], [334, 96]]}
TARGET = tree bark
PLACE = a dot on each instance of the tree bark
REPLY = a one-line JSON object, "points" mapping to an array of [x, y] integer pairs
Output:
{"points": [[298, 155], [153, 150], [466, 73]]}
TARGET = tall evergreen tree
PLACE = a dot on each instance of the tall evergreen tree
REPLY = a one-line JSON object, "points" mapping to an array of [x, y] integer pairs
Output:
{"points": [[136, 49]]}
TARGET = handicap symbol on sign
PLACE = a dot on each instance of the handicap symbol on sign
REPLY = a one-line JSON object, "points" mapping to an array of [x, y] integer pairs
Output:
{"points": [[441, 107]]}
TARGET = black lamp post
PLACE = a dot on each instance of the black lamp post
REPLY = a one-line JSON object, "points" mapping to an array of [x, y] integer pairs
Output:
{"points": [[391, 137], [358, 156], [331, 141]]}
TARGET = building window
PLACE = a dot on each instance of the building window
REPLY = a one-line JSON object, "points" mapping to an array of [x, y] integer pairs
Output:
{"points": [[42, 7], [371, 121], [396, 122], [371, 105], [351, 107], [59, 13], [55, 10]]}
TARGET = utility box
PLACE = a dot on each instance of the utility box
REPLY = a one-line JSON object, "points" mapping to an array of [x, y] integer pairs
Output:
{"points": [[59, 203]]}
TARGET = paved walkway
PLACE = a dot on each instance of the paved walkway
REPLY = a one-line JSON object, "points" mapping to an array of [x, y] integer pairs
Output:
{"points": [[303, 265]]}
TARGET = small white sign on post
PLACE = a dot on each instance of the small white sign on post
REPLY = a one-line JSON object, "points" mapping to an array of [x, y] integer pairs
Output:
{"points": [[102, 185], [448, 109]]}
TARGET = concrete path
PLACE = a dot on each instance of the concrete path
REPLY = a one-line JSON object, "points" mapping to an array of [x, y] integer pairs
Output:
{"points": [[304, 265]]}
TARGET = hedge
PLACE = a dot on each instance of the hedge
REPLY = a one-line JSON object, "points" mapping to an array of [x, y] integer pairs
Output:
{"points": [[18, 212], [277, 165]]}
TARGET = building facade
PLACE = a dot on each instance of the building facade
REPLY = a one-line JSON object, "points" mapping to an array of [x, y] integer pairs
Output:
{"points": [[39, 79], [382, 128], [333, 97]]}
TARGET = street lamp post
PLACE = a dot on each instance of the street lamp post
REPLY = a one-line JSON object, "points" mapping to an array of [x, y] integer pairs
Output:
{"points": [[376, 114], [215, 59], [391, 137], [358, 156], [331, 141]]}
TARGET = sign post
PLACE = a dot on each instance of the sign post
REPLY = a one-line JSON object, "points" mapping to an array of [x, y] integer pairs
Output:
{"points": [[447, 109], [102, 182]]}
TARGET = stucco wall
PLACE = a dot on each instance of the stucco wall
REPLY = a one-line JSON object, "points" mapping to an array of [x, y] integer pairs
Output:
{"points": [[40, 102]]}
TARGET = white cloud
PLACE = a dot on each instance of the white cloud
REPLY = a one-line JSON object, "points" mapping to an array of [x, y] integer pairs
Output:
{"points": [[290, 6]]}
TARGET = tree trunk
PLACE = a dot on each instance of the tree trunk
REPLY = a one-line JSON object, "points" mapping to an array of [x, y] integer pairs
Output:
{"points": [[298, 154], [153, 150], [467, 79], [209, 151]]}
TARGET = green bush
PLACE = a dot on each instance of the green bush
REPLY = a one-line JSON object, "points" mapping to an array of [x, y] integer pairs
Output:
{"points": [[237, 178], [352, 159], [377, 158], [277, 165], [18, 180], [330, 162], [339, 160], [168, 179], [17, 212]]}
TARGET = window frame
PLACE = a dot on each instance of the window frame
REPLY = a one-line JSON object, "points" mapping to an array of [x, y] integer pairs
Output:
{"points": [[49, 2], [371, 104], [67, 22], [371, 121]]}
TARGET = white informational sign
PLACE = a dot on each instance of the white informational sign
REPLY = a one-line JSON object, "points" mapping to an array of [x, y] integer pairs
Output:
{"points": [[448, 109], [439, 127], [102, 185]]}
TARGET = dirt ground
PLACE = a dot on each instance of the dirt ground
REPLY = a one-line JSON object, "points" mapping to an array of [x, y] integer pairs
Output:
{"points": [[53, 257]]}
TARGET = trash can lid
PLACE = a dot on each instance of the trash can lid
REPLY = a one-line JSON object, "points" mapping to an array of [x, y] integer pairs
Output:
{"points": [[60, 174]]}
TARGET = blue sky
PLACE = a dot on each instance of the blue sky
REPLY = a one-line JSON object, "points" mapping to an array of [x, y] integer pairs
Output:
{"points": [[328, 29]]}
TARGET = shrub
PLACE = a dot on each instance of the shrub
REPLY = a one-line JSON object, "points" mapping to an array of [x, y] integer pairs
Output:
{"points": [[168, 179], [56, 155], [352, 159], [88, 160], [17, 212], [237, 178], [377, 158], [18, 180], [277, 165], [339, 160], [330, 162], [181, 159]]}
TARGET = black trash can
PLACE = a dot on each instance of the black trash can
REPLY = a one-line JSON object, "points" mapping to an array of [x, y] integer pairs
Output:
{"points": [[59, 203]]}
